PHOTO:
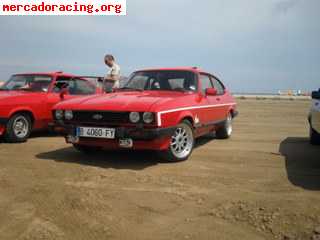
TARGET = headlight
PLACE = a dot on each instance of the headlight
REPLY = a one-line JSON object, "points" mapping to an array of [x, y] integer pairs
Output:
{"points": [[134, 117], [59, 114], [68, 114], [148, 117]]}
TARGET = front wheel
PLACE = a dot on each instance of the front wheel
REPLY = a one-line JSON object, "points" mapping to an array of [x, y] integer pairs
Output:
{"points": [[18, 128], [181, 144], [225, 130]]}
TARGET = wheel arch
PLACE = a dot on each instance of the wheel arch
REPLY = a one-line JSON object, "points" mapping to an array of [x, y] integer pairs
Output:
{"points": [[233, 111], [24, 111], [186, 116]]}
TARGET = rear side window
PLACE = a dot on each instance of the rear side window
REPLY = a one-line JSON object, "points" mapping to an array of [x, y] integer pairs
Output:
{"points": [[59, 84], [83, 87], [205, 82], [218, 86], [75, 86]]}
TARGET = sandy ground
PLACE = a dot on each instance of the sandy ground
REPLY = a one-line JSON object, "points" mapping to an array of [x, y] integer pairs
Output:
{"points": [[263, 183]]}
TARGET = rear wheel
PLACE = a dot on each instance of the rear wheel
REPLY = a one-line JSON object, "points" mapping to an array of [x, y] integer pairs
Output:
{"points": [[314, 137], [18, 128], [86, 149], [181, 145], [225, 130]]}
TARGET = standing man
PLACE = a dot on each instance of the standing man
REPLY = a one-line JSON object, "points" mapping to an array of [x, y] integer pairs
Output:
{"points": [[113, 76]]}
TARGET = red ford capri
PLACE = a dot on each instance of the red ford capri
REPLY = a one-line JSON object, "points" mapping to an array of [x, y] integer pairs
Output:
{"points": [[26, 101], [158, 109]]}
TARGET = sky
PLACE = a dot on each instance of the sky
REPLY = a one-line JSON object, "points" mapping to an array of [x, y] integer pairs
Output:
{"points": [[252, 46]]}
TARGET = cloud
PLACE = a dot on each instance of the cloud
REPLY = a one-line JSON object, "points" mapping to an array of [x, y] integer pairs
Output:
{"points": [[256, 45]]}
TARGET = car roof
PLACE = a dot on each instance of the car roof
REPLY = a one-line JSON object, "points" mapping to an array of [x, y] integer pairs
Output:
{"points": [[192, 69], [48, 73]]}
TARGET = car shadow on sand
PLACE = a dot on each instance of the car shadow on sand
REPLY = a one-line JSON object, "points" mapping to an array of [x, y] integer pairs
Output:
{"points": [[121, 159], [124, 159], [36, 134], [302, 162]]}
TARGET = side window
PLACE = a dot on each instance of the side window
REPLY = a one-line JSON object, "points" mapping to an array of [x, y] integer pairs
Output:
{"points": [[60, 82], [82, 87], [205, 82], [218, 86]]}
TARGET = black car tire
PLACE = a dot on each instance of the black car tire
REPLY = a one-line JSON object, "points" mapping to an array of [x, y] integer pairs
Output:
{"points": [[225, 131]]}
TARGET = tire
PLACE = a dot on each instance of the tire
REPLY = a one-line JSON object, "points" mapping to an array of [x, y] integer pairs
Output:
{"points": [[18, 128], [181, 145], [225, 130], [86, 149], [314, 137]]}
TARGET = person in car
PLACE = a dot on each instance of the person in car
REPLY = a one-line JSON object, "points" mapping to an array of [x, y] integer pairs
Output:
{"points": [[113, 76]]}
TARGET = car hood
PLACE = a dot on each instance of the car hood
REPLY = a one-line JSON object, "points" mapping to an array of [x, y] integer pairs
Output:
{"points": [[119, 101]]}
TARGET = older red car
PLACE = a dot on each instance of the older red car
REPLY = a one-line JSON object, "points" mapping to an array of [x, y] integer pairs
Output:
{"points": [[158, 109], [26, 101]]}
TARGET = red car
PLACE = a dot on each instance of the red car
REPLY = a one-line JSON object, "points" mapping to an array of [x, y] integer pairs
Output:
{"points": [[26, 101], [158, 109]]}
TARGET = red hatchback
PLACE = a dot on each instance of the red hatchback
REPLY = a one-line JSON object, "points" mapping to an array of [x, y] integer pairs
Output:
{"points": [[158, 109], [26, 101]]}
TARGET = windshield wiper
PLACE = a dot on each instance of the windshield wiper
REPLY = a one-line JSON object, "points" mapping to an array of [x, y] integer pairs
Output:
{"points": [[130, 88]]}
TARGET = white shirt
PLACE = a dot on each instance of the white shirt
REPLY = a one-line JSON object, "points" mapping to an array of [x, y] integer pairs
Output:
{"points": [[114, 71]]}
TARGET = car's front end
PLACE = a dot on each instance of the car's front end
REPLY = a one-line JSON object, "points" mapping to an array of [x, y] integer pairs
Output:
{"points": [[314, 118], [113, 129]]}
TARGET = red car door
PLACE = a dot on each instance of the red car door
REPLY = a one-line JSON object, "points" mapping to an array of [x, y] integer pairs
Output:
{"points": [[204, 104], [214, 112], [220, 99]]}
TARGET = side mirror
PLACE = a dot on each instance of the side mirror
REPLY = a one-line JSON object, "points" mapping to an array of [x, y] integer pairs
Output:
{"points": [[63, 92], [315, 95], [211, 91]]}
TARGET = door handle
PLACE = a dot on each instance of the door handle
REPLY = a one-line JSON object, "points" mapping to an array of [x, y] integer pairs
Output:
{"points": [[218, 99]]}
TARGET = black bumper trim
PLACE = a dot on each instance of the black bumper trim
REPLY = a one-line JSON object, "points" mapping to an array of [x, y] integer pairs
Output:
{"points": [[137, 133], [144, 133], [3, 121], [235, 114]]}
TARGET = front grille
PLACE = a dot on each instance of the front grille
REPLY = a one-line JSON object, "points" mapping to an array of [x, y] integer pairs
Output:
{"points": [[100, 117]]}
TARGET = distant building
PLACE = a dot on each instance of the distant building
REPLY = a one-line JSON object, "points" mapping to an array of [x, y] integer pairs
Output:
{"points": [[292, 93]]}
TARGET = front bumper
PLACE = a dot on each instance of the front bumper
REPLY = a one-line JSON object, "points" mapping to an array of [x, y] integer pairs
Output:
{"points": [[136, 133], [143, 138], [3, 123]]}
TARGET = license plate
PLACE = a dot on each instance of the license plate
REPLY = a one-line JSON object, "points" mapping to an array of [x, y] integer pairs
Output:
{"points": [[93, 132], [126, 143]]}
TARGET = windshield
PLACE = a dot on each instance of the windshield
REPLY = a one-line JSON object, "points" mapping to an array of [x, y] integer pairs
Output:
{"points": [[162, 80], [35, 83]]}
